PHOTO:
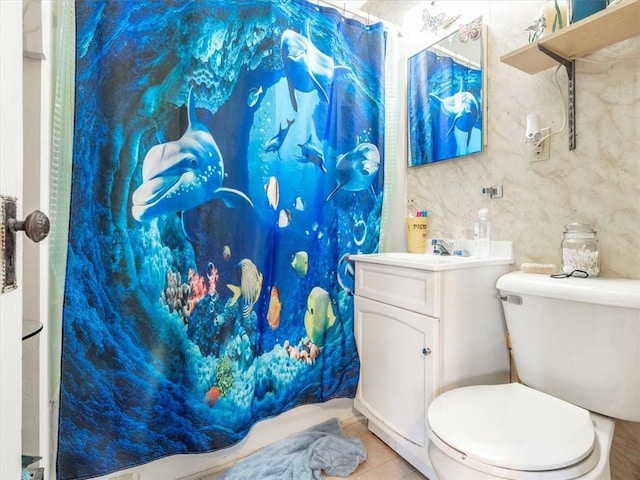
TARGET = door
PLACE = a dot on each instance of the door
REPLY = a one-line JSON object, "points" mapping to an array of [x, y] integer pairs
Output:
{"points": [[11, 154], [397, 366]]}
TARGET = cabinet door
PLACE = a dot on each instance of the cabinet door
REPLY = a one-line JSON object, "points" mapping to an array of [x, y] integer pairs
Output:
{"points": [[398, 361]]}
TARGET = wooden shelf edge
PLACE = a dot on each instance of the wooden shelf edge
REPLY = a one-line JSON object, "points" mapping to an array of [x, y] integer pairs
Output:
{"points": [[607, 27]]}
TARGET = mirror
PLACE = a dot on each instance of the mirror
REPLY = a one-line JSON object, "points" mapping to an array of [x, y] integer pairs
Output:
{"points": [[446, 97]]}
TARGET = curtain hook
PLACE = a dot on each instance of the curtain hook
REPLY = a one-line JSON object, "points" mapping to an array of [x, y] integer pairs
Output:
{"points": [[344, 9]]}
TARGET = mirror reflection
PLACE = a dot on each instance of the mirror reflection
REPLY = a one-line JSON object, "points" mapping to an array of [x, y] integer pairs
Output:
{"points": [[446, 97]]}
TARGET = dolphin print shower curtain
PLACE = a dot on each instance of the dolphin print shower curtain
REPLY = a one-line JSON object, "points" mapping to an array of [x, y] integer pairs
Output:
{"points": [[227, 160]]}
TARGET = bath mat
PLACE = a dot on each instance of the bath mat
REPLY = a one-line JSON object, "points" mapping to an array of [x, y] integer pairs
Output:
{"points": [[302, 456]]}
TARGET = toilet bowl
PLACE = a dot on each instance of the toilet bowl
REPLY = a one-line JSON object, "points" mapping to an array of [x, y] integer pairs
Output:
{"points": [[574, 344], [515, 432]]}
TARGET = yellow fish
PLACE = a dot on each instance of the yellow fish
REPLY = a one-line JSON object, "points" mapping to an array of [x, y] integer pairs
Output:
{"points": [[319, 316], [250, 286], [300, 262], [275, 307]]}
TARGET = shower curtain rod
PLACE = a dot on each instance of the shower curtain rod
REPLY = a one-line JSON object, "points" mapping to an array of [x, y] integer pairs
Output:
{"points": [[358, 13]]}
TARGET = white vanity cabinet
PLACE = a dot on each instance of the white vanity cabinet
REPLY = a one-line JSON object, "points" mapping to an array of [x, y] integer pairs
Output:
{"points": [[424, 325]]}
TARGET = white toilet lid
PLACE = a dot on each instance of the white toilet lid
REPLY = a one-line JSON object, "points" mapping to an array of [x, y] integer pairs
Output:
{"points": [[512, 426]]}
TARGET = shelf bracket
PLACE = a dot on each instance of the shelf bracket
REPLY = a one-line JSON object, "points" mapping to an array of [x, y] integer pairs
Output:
{"points": [[570, 65]]}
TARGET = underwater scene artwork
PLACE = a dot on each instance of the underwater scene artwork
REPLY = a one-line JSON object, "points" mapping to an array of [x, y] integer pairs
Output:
{"points": [[228, 158]]}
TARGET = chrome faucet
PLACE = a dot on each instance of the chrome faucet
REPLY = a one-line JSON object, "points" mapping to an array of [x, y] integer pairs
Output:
{"points": [[440, 247]]}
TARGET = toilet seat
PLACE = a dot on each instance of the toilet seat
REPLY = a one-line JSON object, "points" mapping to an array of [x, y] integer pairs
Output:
{"points": [[513, 431]]}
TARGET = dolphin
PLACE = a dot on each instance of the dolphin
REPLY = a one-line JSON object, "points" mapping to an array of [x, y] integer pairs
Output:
{"points": [[311, 154], [463, 107], [356, 170], [180, 175], [274, 144], [306, 67]]}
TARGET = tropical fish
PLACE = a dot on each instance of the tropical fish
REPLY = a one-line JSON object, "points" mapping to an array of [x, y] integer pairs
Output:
{"points": [[275, 142], [211, 397], [319, 316], [299, 204], [275, 307], [311, 154], [250, 286], [273, 192], [357, 169], [462, 108], [284, 218], [306, 67], [254, 96], [300, 262], [180, 175], [226, 252]]}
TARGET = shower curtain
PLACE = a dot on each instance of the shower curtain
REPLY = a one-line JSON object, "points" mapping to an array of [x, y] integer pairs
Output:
{"points": [[227, 159]]}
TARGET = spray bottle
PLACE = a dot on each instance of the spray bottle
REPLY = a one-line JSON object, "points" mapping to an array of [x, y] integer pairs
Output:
{"points": [[482, 234]]}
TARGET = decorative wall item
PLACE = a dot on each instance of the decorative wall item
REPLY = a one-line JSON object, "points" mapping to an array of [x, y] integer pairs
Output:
{"points": [[446, 97], [552, 16], [227, 160]]}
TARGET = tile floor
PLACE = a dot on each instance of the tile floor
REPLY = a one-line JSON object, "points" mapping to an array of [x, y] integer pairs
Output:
{"points": [[382, 462]]}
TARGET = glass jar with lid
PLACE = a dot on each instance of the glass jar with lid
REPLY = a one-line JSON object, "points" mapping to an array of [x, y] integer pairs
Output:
{"points": [[580, 249]]}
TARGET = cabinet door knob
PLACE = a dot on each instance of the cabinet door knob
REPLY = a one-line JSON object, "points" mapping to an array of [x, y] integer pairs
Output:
{"points": [[426, 351]]}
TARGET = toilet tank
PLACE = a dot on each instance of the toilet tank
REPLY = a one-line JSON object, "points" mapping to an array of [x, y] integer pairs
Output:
{"points": [[577, 339]]}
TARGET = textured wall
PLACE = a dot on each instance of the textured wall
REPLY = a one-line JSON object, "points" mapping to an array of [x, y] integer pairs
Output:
{"points": [[598, 182]]}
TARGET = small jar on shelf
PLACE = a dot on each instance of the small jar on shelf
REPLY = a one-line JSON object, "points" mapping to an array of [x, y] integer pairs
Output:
{"points": [[580, 249]]}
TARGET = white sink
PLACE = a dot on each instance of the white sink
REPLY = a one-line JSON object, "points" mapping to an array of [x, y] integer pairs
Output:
{"points": [[501, 254], [426, 257]]}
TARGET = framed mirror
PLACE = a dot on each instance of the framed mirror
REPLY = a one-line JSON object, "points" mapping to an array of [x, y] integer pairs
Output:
{"points": [[447, 97]]}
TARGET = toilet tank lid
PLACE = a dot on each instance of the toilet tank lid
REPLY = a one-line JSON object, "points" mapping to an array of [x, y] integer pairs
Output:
{"points": [[617, 292]]}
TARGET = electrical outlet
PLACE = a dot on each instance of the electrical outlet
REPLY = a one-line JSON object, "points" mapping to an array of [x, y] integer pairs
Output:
{"points": [[540, 152]]}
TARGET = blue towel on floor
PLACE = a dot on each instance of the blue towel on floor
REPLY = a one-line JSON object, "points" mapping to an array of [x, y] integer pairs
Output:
{"points": [[302, 456]]}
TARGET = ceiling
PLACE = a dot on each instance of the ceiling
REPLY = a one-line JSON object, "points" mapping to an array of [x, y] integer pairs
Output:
{"points": [[391, 11]]}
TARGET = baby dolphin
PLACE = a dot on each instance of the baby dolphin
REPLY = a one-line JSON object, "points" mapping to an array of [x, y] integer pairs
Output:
{"points": [[274, 143], [357, 169], [311, 154]]}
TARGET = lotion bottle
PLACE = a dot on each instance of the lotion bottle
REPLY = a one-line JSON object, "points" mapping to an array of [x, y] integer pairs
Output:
{"points": [[482, 234]]}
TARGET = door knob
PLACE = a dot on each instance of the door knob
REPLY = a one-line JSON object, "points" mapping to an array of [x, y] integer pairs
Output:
{"points": [[36, 226]]}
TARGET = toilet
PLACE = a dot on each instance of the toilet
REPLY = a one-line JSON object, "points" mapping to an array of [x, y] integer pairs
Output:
{"points": [[575, 347]]}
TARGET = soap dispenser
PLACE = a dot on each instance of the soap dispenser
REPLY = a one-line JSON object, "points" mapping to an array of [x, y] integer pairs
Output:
{"points": [[482, 234]]}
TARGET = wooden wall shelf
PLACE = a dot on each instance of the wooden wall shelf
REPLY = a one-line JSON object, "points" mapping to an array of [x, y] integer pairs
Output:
{"points": [[607, 27]]}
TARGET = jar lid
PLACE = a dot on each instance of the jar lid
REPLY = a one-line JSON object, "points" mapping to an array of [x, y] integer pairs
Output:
{"points": [[579, 228]]}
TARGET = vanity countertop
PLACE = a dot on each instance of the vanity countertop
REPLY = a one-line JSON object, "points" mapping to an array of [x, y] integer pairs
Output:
{"points": [[501, 254]]}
